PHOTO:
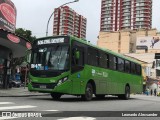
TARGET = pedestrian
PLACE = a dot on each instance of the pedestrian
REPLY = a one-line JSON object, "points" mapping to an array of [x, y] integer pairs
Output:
{"points": [[155, 92], [151, 92], [147, 91]]}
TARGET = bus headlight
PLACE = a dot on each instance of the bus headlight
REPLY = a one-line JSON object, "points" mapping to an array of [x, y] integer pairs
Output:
{"points": [[62, 80]]}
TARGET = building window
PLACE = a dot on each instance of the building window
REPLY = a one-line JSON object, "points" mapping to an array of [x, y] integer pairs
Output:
{"points": [[157, 63]]}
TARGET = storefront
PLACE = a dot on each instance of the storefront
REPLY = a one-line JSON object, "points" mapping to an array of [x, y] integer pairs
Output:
{"points": [[11, 46]]}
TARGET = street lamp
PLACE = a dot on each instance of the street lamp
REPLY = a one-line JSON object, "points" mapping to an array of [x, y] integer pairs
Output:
{"points": [[53, 13]]}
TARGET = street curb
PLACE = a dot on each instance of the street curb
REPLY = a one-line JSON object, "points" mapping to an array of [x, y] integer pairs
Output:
{"points": [[23, 95]]}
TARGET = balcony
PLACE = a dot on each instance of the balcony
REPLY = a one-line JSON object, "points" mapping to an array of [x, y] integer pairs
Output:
{"points": [[123, 1], [126, 4], [126, 11], [106, 15], [107, 9], [126, 22], [144, 1], [126, 7], [143, 8], [126, 25], [126, 14], [143, 16]]}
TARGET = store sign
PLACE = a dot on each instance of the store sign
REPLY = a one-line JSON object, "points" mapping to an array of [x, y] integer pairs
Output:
{"points": [[8, 12], [7, 15], [28, 45], [13, 38], [50, 41]]}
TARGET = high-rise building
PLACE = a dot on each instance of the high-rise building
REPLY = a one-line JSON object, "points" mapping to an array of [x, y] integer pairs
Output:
{"points": [[68, 22], [125, 14]]}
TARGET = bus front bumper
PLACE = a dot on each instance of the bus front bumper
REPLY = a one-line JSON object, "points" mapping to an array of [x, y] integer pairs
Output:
{"points": [[50, 87]]}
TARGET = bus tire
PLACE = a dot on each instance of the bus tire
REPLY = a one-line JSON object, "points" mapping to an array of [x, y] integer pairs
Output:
{"points": [[127, 93], [88, 92], [125, 96], [56, 96]]}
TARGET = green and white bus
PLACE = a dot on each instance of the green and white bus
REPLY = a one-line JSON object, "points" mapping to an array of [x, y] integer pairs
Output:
{"points": [[69, 65]]}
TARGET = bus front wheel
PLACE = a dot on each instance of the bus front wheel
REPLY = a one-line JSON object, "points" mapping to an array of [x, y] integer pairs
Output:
{"points": [[56, 96], [88, 92]]}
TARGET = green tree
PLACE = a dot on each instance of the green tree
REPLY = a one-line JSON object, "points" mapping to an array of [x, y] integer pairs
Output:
{"points": [[27, 34]]}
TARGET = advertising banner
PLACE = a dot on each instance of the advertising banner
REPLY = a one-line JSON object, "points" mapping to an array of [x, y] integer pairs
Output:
{"points": [[8, 14], [148, 42]]}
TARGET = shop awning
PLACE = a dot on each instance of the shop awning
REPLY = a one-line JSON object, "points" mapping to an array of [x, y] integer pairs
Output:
{"points": [[16, 44]]}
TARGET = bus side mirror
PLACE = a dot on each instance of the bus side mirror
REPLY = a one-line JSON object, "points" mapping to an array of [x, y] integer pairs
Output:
{"points": [[77, 55]]}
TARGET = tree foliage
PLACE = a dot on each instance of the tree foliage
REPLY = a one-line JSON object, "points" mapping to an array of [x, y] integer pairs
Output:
{"points": [[27, 34]]}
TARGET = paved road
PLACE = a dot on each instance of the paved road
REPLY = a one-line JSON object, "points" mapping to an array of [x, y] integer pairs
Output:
{"points": [[106, 107]]}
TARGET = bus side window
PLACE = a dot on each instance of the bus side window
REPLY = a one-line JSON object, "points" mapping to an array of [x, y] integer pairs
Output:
{"points": [[133, 68], [103, 60], [77, 63], [138, 69], [127, 66], [80, 60], [112, 62], [92, 57], [120, 64]]}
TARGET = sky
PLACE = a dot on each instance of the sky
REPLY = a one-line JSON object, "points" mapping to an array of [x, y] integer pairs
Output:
{"points": [[34, 14]]}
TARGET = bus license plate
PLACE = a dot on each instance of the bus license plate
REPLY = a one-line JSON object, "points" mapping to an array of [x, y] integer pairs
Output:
{"points": [[43, 86]]}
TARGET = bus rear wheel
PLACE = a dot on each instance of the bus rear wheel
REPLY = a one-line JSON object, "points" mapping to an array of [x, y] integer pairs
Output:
{"points": [[88, 92], [125, 96], [56, 96], [127, 93]]}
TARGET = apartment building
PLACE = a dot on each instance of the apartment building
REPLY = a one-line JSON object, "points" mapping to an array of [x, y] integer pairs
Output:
{"points": [[68, 22], [125, 14]]}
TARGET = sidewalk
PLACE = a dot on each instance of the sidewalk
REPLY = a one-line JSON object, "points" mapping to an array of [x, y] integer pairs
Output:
{"points": [[19, 92]]}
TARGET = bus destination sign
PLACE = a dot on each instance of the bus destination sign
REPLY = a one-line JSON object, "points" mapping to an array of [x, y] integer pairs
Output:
{"points": [[50, 41]]}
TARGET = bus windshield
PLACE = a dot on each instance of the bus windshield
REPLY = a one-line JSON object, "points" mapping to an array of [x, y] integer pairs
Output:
{"points": [[55, 57]]}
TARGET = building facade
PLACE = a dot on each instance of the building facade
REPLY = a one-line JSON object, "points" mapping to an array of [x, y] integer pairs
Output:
{"points": [[68, 22], [125, 14], [127, 41]]}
